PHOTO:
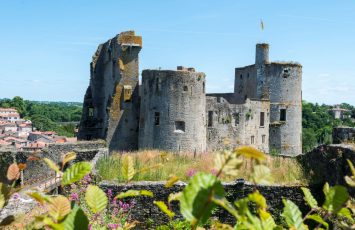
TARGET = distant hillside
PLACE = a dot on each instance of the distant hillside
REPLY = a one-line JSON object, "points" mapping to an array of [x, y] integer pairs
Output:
{"points": [[47, 115], [318, 123]]}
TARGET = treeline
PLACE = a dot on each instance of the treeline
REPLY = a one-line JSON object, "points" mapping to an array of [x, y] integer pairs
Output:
{"points": [[318, 123], [47, 116]]}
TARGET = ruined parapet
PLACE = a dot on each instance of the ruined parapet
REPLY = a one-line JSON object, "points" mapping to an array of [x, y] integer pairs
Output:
{"points": [[343, 134], [284, 81], [111, 107], [173, 110]]}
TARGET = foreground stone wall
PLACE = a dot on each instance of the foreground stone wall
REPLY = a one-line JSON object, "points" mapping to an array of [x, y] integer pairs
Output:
{"points": [[36, 169], [145, 210], [327, 163]]}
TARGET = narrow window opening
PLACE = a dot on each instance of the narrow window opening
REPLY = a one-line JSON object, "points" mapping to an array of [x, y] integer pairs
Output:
{"points": [[263, 137], [185, 88], [282, 114], [236, 118], [262, 119], [157, 118], [241, 77], [91, 112], [158, 85], [180, 126], [203, 87], [127, 93], [252, 139], [210, 118]]}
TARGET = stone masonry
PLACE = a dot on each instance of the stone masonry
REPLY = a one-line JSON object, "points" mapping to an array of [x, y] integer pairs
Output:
{"points": [[171, 111]]}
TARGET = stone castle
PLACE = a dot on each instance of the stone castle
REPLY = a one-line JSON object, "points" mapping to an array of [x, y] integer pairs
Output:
{"points": [[171, 111]]}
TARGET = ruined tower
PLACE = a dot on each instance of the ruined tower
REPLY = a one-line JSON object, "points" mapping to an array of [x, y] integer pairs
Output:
{"points": [[281, 83], [173, 110], [111, 106]]}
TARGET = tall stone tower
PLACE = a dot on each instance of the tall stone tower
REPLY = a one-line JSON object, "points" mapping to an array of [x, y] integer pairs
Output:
{"points": [[173, 110], [111, 106], [281, 83]]}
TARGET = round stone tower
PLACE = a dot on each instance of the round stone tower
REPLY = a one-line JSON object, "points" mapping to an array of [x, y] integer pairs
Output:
{"points": [[284, 81], [172, 110], [262, 54]]}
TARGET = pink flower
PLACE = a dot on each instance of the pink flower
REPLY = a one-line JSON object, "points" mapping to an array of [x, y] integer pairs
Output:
{"points": [[74, 197], [191, 172], [214, 172], [113, 226]]}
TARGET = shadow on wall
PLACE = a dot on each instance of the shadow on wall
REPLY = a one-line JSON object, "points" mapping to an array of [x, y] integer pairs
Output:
{"points": [[128, 139]]}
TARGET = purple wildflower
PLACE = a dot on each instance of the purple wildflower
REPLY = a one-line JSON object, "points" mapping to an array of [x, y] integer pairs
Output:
{"points": [[113, 226], [16, 196], [191, 172], [109, 194], [74, 197], [123, 206]]}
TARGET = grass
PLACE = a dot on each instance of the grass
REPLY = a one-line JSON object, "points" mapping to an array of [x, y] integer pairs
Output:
{"points": [[285, 171]]}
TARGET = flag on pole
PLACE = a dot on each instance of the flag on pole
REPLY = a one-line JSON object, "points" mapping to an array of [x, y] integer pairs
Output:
{"points": [[262, 24]]}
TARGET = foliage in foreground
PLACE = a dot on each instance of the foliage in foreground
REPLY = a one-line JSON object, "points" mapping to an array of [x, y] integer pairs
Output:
{"points": [[203, 194]]}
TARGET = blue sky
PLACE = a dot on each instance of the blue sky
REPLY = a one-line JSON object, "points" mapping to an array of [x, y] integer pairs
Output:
{"points": [[46, 46]]}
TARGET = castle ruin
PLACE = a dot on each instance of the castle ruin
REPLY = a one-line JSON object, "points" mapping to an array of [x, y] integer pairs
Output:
{"points": [[171, 111]]}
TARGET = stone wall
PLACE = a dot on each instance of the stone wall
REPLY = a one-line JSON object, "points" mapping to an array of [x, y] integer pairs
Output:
{"points": [[111, 103], [327, 163], [37, 170], [343, 134], [237, 124], [145, 210]]}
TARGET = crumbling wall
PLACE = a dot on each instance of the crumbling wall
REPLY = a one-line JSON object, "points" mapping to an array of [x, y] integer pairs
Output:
{"points": [[237, 124], [107, 114]]}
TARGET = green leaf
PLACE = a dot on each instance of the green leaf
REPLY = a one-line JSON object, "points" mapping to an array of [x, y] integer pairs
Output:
{"points": [[350, 181], [259, 199], [76, 172], [68, 157], [352, 168], [309, 198], [4, 194], [335, 198], [95, 198], [172, 180], [345, 212], [224, 203], [59, 207], [250, 152], [318, 219], [162, 206], [326, 188], [174, 196], [131, 193], [127, 167], [52, 165], [261, 175], [195, 203], [39, 197], [76, 220], [292, 215]]}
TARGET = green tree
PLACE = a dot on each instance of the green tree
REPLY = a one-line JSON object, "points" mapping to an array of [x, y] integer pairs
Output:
{"points": [[309, 140]]}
